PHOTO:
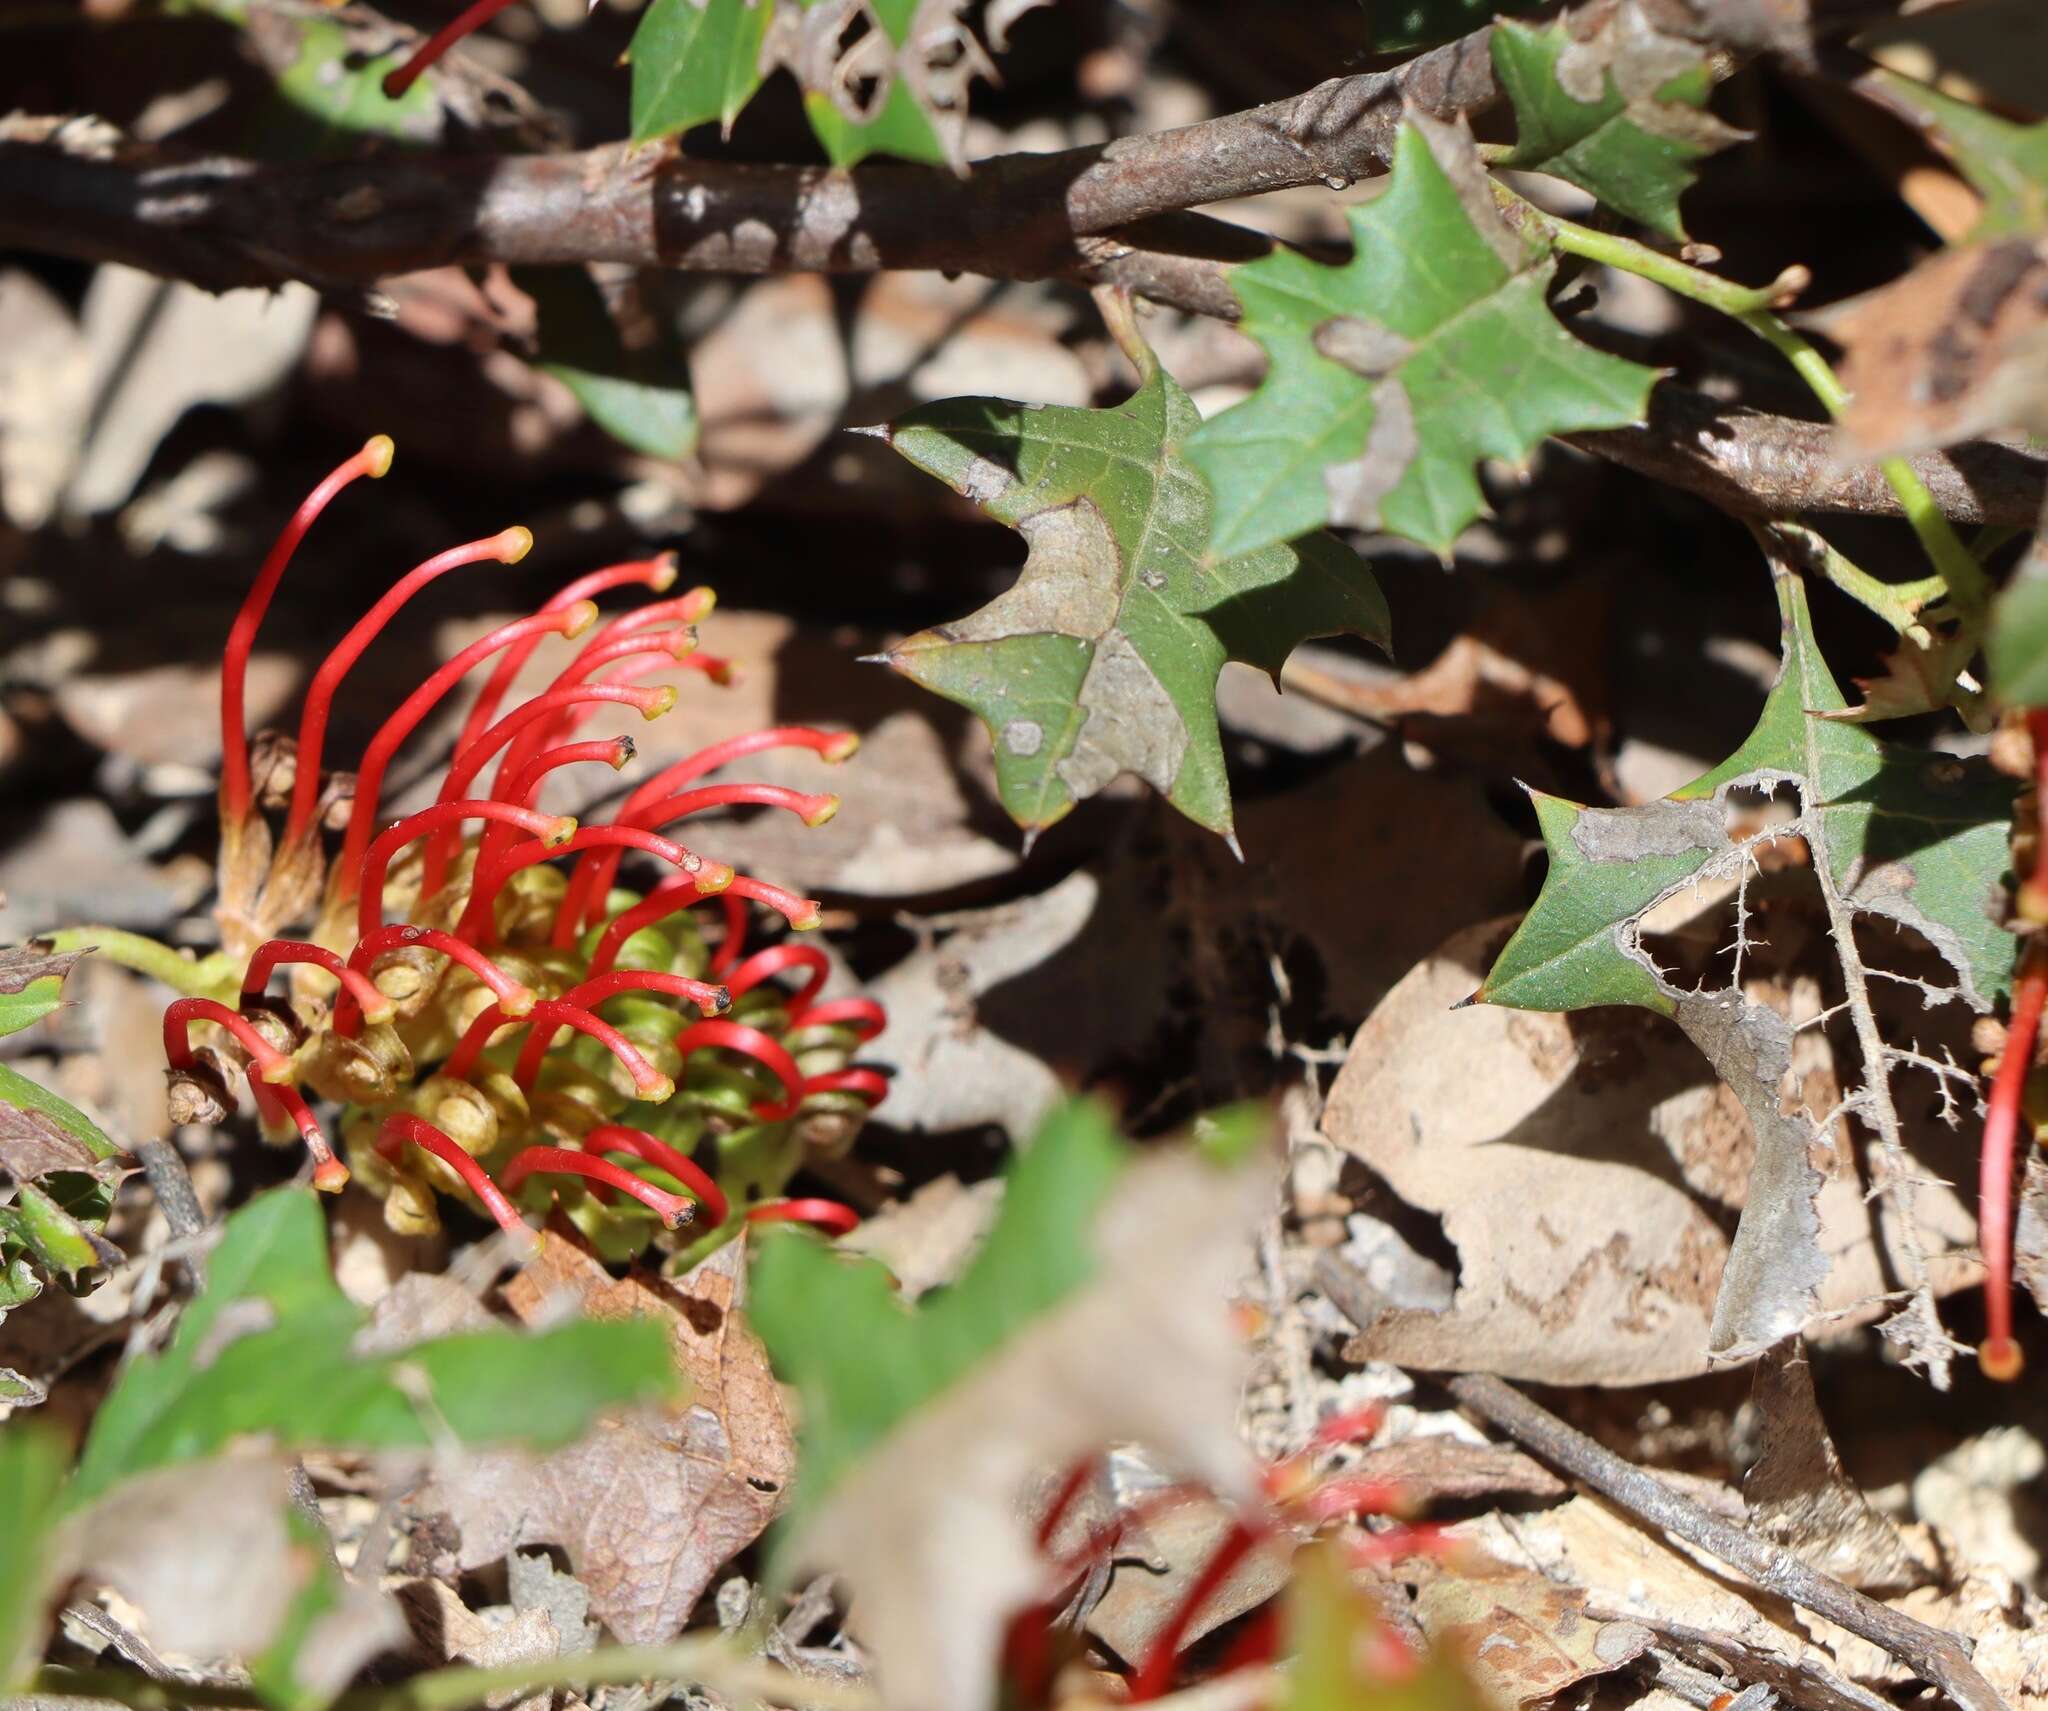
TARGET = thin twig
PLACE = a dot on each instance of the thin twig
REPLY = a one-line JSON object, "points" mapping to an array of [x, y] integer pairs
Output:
{"points": [[1936, 1656]]}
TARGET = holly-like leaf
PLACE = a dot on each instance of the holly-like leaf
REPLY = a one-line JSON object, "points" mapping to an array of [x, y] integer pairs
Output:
{"points": [[694, 61], [268, 1348], [1103, 659], [1916, 838], [1096, 1312], [1393, 375], [1624, 125], [640, 397], [2006, 163], [31, 984]]}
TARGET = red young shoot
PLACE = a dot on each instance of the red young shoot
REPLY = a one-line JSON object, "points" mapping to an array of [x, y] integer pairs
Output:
{"points": [[373, 460], [1999, 1354], [464, 23], [507, 547], [571, 620], [712, 1000], [658, 574], [648, 1082], [639, 1144], [762, 1049], [673, 1210], [355, 985], [552, 830], [514, 998], [827, 1215], [401, 1127]]}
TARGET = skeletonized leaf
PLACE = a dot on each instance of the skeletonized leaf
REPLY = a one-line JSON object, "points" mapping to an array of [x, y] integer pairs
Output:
{"points": [[1915, 838], [1103, 659], [694, 61], [1096, 1313], [1622, 119], [1393, 375]]}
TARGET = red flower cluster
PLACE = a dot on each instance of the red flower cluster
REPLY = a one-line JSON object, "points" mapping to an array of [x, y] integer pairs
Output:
{"points": [[498, 942]]}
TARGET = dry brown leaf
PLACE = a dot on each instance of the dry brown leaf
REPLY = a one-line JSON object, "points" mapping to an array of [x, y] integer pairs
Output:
{"points": [[1956, 348], [1144, 1596], [1574, 1161], [928, 1239], [202, 1550], [1522, 1637], [1798, 1494], [930, 1529], [1440, 1466], [649, 1505]]}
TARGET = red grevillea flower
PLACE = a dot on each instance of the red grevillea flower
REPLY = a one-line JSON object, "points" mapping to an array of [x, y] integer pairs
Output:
{"points": [[628, 1063]]}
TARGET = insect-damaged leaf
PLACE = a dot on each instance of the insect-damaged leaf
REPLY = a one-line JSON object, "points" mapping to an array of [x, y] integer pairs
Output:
{"points": [[878, 76], [1393, 375], [1621, 114], [1917, 838], [1103, 659]]}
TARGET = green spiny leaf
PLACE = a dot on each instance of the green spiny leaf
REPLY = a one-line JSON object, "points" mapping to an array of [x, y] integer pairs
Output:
{"points": [[1633, 149], [1393, 375], [694, 61], [1103, 659], [41, 1133], [1919, 838], [2005, 162], [268, 1348]]}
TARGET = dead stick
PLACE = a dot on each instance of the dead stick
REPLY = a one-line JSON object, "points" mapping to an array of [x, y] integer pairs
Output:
{"points": [[1936, 1656]]}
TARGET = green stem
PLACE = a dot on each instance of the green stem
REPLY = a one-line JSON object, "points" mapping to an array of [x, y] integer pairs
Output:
{"points": [[214, 976], [1969, 590], [707, 1660], [1897, 603]]}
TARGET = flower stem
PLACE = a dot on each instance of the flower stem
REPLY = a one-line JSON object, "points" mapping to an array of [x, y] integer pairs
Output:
{"points": [[218, 976]]}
